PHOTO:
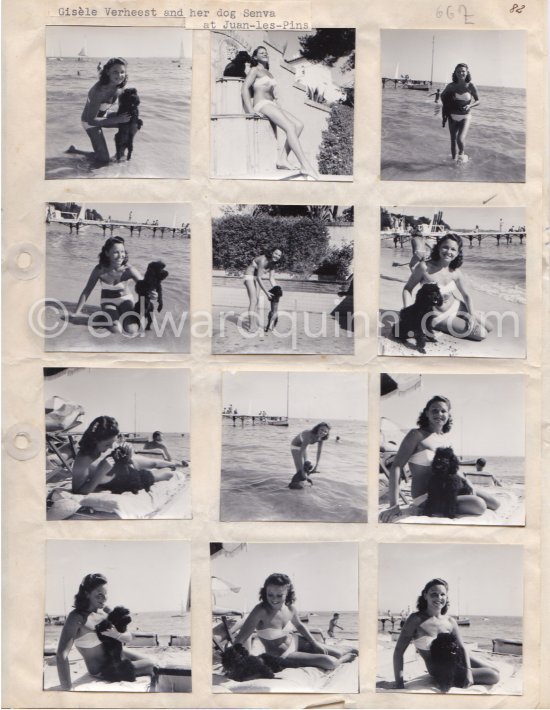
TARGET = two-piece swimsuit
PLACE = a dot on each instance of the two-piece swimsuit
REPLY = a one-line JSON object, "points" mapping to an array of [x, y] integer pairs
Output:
{"points": [[424, 458], [300, 441], [269, 84], [446, 291], [90, 639], [103, 108], [459, 103], [114, 295], [271, 634]]}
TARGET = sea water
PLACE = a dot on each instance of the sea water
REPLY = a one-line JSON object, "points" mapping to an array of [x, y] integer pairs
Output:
{"points": [[257, 467], [70, 258], [161, 147], [416, 147], [491, 269]]}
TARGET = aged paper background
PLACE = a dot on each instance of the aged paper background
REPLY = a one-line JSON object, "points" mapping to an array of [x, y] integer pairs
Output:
{"points": [[25, 192]]}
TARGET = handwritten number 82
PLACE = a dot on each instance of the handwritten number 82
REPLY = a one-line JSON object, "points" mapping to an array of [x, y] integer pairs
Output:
{"points": [[517, 8]]}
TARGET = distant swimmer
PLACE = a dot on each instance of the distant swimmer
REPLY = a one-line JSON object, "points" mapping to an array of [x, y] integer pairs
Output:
{"points": [[298, 449], [333, 624]]}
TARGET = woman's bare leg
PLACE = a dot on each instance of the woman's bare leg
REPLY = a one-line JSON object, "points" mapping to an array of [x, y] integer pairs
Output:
{"points": [[452, 132], [142, 665], [462, 132], [252, 292], [279, 118], [99, 144], [282, 160], [471, 505]]}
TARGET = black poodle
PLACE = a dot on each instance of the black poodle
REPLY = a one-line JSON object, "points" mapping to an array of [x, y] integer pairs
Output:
{"points": [[149, 288], [128, 102], [235, 68], [447, 663], [115, 668], [240, 665], [416, 321], [125, 478], [445, 485], [273, 315]]}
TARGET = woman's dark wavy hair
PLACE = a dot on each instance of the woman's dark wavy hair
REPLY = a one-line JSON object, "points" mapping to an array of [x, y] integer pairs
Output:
{"points": [[253, 61], [104, 73], [455, 75], [316, 428], [456, 263], [100, 429], [278, 579], [423, 421], [422, 604], [88, 584], [103, 254]]}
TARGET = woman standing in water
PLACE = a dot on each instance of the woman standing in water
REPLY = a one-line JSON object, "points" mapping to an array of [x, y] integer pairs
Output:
{"points": [[260, 96], [101, 97], [458, 98], [422, 628], [79, 629]]}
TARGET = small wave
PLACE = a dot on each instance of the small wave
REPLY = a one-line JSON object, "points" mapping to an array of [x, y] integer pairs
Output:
{"points": [[511, 293]]}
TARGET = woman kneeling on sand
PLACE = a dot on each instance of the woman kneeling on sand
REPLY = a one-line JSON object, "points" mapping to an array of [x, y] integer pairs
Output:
{"points": [[437, 639], [79, 629], [276, 619]]}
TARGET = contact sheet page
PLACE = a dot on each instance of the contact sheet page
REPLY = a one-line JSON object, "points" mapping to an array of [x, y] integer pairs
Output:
{"points": [[275, 304]]}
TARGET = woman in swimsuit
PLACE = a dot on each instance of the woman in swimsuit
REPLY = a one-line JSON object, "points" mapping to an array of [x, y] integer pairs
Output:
{"points": [[94, 461], [275, 620], [260, 268], [260, 97], [457, 99], [79, 629], [456, 314], [114, 273], [101, 97], [422, 628], [418, 450], [298, 449]]}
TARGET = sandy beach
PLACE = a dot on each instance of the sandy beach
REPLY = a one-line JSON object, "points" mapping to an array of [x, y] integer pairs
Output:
{"points": [[417, 680], [509, 343], [309, 323]]}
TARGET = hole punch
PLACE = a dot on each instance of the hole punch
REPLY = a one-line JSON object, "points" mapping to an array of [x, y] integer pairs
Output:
{"points": [[24, 261], [22, 442]]}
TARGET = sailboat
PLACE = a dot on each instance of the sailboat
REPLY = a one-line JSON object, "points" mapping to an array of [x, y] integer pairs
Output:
{"points": [[282, 421], [181, 56], [419, 85], [82, 54], [460, 620]]}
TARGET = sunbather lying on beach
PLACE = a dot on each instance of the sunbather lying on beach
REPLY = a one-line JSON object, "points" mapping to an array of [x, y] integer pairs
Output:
{"points": [[436, 637], [156, 444], [456, 315], [79, 629], [100, 99], [117, 303], [98, 454], [298, 449], [275, 620]]}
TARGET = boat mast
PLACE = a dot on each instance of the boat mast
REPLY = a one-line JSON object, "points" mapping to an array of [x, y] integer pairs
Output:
{"points": [[287, 393], [432, 69]]}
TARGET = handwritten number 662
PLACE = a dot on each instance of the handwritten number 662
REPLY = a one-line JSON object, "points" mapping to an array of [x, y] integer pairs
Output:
{"points": [[449, 11]]}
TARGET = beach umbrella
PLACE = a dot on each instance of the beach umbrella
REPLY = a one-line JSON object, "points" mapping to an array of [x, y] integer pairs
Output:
{"points": [[391, 434], [222, 585], [392, 384], [227, 549]]}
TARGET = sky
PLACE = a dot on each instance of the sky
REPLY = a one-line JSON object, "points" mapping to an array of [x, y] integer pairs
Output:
{"points": [[141, 575], [316, 571], [468, 217], [312, 395], [488, 411], [105, 42], [494, 57], [168, 214], [484, 580], [161, 396]]}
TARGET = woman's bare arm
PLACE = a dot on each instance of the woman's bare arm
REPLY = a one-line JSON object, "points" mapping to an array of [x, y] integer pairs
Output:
{"points": [[249, 625], [245, 91], [405, 451], [66, 640], [94, 276], [415, 278], [405, 637]]}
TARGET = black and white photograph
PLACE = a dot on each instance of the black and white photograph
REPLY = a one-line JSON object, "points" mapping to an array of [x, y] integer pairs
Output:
{"points": [[294, 446], [282, 279], [453, 281], [450, 619], [117, 616], [282, 104], [118, 102], [452, 449], [283, 621], [453, 105], [118, 277], [117, 443]]}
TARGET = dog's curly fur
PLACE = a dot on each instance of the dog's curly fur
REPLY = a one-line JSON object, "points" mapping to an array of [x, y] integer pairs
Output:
{"points": [[240, 665], [445, 484], [128, 102], [115, 668], [447, 664], [126, 478], [236, 67], [272, 317], [414, 317], [146, 289]]}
